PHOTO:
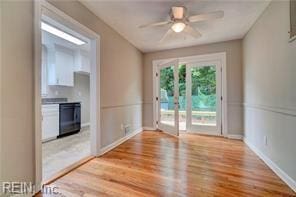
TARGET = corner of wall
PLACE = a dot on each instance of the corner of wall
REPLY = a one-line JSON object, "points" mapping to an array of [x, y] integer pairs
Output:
{"points": [[269, 110]]}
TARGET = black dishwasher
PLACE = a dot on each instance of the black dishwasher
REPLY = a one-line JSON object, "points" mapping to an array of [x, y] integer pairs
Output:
{"points": [[70, 118]]}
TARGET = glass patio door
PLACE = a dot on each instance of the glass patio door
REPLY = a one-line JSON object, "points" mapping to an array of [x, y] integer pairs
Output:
{"points": [[203, 92], [167, 97]]}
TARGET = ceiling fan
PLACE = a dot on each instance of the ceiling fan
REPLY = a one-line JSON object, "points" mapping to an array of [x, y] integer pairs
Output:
{"points": [[180, 22]]}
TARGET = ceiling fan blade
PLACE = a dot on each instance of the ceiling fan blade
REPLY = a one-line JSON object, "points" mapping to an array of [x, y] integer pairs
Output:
{"points": [[205, 17], [166, 35], [178, 12], [191, 31], [155, 24]]}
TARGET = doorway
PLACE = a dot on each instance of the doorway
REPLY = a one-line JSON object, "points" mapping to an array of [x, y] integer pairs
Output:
{"points": [[70, 71], [203, 84], [189, 95], [65, 97], [168, 96]]}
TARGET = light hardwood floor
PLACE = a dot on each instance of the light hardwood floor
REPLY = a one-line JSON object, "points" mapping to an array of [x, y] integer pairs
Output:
{"points": [[156, 164]]}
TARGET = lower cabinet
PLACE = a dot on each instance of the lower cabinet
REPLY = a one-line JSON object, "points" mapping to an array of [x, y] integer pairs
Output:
{"points": [[50, 121]]}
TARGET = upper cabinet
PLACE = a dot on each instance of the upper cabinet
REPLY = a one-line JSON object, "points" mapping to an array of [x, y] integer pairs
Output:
{"points": [[82, 61], [60, 68], [44, 71], [59, 64]]}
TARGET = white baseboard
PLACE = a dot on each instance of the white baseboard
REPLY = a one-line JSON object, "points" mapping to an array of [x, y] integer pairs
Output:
{"points": [[235, 136], [148, 129], [85, 124], [275, 168], [119, 141]]}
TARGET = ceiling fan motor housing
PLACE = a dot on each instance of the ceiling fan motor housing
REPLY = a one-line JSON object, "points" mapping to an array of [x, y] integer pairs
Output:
{"points": [[178, 13]]}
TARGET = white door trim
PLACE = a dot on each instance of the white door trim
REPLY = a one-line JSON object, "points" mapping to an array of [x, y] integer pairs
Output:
{"points": [[95, 110], [196, 58]]}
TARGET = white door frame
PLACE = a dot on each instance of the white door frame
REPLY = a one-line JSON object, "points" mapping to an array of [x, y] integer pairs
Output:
{"points": [[95, 110], [221, 57]]}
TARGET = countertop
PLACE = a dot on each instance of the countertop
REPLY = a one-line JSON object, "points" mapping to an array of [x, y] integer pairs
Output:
{"points": [[53, 103]]}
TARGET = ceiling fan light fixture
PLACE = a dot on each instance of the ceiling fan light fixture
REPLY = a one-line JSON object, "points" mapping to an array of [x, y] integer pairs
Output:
{"points": [[178, 27]]}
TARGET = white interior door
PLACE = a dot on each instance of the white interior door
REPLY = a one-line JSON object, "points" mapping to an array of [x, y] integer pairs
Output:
{"points": [[203, 92], [167, 97]]}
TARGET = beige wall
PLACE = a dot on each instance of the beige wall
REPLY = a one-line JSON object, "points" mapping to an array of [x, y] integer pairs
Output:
{"points": [[17, 158], [269, 87], [234, 79], [121, 83], [0, 92], [1, 177]]}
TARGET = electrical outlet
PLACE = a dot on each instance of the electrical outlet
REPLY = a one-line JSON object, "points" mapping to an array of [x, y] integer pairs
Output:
{"points": [[265, 140], [126, 129]]}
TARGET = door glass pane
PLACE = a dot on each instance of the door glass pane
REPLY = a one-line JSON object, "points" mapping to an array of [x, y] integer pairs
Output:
{"points": [[182, 97], [203, 96], [167, 107]]}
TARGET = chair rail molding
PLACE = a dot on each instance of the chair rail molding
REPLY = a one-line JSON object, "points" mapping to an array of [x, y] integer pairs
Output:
{"points": [[281, 110]]}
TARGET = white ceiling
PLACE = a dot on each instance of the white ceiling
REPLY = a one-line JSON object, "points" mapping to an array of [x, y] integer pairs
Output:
{"points": [[125, 16]]}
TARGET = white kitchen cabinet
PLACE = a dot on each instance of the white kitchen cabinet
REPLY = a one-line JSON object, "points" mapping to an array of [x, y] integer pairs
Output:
{"points": [[60, 66], [44, 71], [50, 121], [82, 61]]}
